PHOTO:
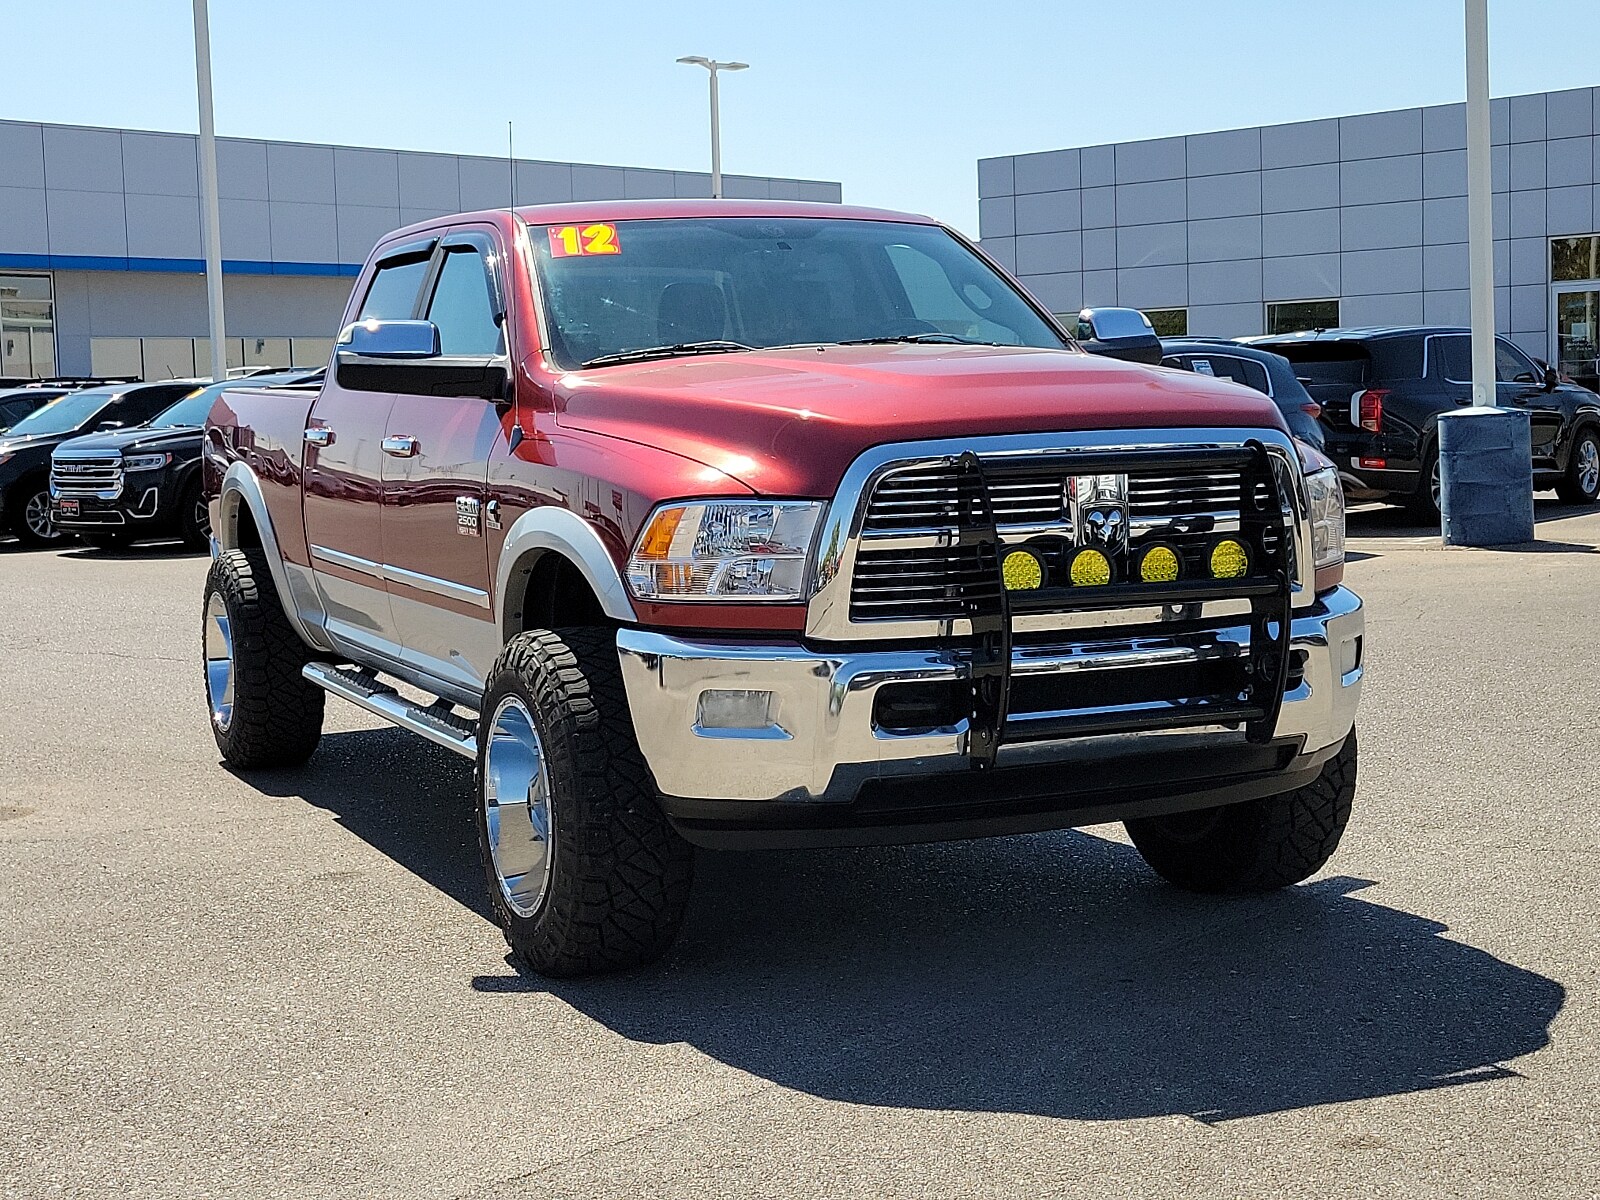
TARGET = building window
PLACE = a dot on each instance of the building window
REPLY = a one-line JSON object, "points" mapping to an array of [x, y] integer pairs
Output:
{"points": [[1169, 322], [27, 327], [1291, 316], [1574, 258]]}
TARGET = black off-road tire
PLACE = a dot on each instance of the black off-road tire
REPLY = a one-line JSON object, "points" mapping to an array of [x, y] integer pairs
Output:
{"points": [[1259, 845], [1571, 488], [194, 529], [277, 713], [619, 874]]}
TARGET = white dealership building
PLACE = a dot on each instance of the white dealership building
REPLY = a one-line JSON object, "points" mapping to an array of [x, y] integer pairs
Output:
{"points": [[1358, 220], [101, 267]]}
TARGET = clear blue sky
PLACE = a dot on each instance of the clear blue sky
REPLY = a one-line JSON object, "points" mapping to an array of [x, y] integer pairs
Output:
{"points": [[897, 100]]}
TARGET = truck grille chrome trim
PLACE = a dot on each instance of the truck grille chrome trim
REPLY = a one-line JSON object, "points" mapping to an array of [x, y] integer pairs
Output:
{"points": [[891, 566]]}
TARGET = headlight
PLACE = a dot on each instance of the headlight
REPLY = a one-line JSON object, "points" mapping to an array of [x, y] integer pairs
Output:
{"points": [[1327, 524], [145, 462], [725, 550]]}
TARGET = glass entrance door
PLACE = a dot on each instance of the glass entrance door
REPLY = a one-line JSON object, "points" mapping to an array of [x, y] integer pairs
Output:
{"points": [[1577, 332]]}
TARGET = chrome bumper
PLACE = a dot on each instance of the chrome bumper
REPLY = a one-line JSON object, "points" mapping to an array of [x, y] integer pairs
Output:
{"points": [[820, 742]]}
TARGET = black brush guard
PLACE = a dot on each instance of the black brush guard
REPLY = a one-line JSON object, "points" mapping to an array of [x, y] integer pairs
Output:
{"points": [[990, 611]]}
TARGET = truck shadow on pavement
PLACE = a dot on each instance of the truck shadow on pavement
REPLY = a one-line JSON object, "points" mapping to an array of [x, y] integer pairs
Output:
{"points": [[1051, 974]]}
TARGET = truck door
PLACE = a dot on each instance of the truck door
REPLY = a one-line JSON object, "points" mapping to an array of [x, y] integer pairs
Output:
{"points": [[344, 474], [435, 471]]}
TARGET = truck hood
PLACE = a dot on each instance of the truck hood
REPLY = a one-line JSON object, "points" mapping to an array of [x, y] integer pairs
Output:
{"points": [[167, 438], [788, 422]]}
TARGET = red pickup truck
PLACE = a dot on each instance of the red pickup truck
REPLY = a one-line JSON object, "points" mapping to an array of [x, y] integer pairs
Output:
{"points": [[751, 524]]}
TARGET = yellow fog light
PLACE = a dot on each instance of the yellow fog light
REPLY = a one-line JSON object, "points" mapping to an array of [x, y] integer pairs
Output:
{"points": [[1160, 564], [1090, 568], [1021, 571], [1229, 560]]}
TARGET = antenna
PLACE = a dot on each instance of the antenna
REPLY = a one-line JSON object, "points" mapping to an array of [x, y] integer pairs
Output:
{"points": [[511, 164]]}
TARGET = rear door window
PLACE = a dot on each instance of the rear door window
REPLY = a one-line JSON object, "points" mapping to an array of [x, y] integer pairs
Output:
{"points": [[1453, 354], [1225, 366], [139, 406]]}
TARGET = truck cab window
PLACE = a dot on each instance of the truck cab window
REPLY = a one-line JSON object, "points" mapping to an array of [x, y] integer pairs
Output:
{"points": [[393, 293], [463, 307]]}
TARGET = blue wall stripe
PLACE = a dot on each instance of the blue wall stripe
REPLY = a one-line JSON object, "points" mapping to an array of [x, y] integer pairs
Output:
{"points": [[185, 266]]}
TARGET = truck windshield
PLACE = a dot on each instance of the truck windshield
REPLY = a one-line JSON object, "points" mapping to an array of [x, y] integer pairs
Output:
{"points": [[70, 412], [659, 288]]}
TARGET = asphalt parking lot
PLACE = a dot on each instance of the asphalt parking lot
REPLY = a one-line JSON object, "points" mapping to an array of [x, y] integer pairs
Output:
{"points": [[287, 985]]}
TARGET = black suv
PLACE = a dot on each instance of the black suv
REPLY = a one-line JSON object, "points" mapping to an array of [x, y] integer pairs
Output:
{"points": [[1382, 391], [115, 488], [25, 447]]}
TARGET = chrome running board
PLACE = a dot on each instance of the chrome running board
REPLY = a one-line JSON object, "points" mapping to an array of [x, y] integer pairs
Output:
{"points": [[436, 722]]}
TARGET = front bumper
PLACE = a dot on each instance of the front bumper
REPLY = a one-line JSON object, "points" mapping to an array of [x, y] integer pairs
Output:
{"points": [[823, 764], [131, 505]]}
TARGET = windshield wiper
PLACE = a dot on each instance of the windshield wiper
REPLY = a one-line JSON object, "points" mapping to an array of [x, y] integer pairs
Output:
{"points": [[931, 339], [673, 351]]}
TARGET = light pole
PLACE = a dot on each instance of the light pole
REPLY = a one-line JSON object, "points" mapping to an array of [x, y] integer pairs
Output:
{"points": [[210, 218], [1485, 451], [713, 66]]}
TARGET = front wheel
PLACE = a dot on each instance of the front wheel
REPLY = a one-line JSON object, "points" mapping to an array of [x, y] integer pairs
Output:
{"points": [[584, 872], [1580, 484], [1259, 845], [34, 524]]}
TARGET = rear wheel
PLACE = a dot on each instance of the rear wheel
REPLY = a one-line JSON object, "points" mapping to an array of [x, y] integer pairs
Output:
{"points": [[264, 712], [584, 872], [1581, 482], [33, 523], [1259, 845], [1427, 499]]}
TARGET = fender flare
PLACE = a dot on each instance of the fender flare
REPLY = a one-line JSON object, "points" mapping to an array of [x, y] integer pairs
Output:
{"points": [[548, 529], [242, 490]]}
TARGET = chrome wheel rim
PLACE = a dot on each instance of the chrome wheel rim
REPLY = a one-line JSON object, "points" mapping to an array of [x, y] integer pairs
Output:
{"points": [[1588, 467], [1433, 484], [516, 807], [219, 662], [36, 515]]}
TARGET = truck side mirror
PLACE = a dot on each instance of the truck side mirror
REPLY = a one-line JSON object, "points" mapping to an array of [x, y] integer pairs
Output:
{"points": [[405, 357], [1124, 333], [373, 338]]}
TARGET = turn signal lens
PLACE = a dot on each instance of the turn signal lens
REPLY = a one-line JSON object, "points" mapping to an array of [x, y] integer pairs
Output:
{"points": [[1229, 560], [657, 540], [1160, 564], [1021, 572], [1090, 568]]}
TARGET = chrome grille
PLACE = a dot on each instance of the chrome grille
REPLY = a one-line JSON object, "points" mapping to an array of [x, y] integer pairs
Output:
{"points": [[907, 569], [87, 476]]}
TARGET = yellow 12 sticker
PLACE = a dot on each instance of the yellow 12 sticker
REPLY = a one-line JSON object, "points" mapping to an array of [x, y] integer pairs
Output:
{"points": [[576, 241]]}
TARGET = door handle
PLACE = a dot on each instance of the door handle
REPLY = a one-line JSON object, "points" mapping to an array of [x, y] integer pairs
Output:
{"points": [[319, 435], [401, 445]]}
